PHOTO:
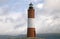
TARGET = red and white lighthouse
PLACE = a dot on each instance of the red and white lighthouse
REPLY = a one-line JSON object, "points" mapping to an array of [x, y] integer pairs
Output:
{"points": [[31, 16]]}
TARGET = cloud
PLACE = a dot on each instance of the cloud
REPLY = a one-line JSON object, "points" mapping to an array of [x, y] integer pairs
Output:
{"points": [[47, 24], [4, 9], [52, 4], [39, 5], [48, 19], [14, 23]]}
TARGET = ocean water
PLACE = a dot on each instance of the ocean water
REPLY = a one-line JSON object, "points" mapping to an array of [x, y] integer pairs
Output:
{"points": [[49, 36], [39, 36]]}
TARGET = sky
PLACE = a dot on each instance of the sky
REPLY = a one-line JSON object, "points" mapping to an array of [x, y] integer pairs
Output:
{"points": [[13, 16]]}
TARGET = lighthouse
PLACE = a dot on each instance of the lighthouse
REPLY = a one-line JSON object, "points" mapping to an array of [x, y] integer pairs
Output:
{"points": [[31, 16]]}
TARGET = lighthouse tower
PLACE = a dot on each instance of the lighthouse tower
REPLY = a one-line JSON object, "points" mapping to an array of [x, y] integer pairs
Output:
{"points": [[31, 27]]}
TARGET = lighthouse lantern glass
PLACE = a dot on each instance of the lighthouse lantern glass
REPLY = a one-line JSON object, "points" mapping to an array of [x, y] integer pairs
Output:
{"points": [[31, 5]]}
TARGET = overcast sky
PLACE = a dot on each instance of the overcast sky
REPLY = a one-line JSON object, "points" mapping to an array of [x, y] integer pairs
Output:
{"points": [[13, 16]]}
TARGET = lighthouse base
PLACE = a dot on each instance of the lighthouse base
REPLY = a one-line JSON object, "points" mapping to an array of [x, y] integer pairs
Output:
{"points": [[31, 32]]}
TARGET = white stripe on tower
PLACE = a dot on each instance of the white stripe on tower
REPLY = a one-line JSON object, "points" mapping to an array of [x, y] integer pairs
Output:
{"points": [[31, 23]]}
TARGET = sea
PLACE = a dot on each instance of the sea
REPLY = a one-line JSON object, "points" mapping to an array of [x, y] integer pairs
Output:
{"points": [[44, 36], [49, 36]]}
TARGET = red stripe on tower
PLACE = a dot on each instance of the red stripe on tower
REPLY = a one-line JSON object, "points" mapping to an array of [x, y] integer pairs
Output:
{"points": [[31, 27]]}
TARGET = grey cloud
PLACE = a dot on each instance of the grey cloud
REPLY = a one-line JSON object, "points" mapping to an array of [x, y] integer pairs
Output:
{"points": [[4, 10], [13, 23], [52, 4], [48, 20]]}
